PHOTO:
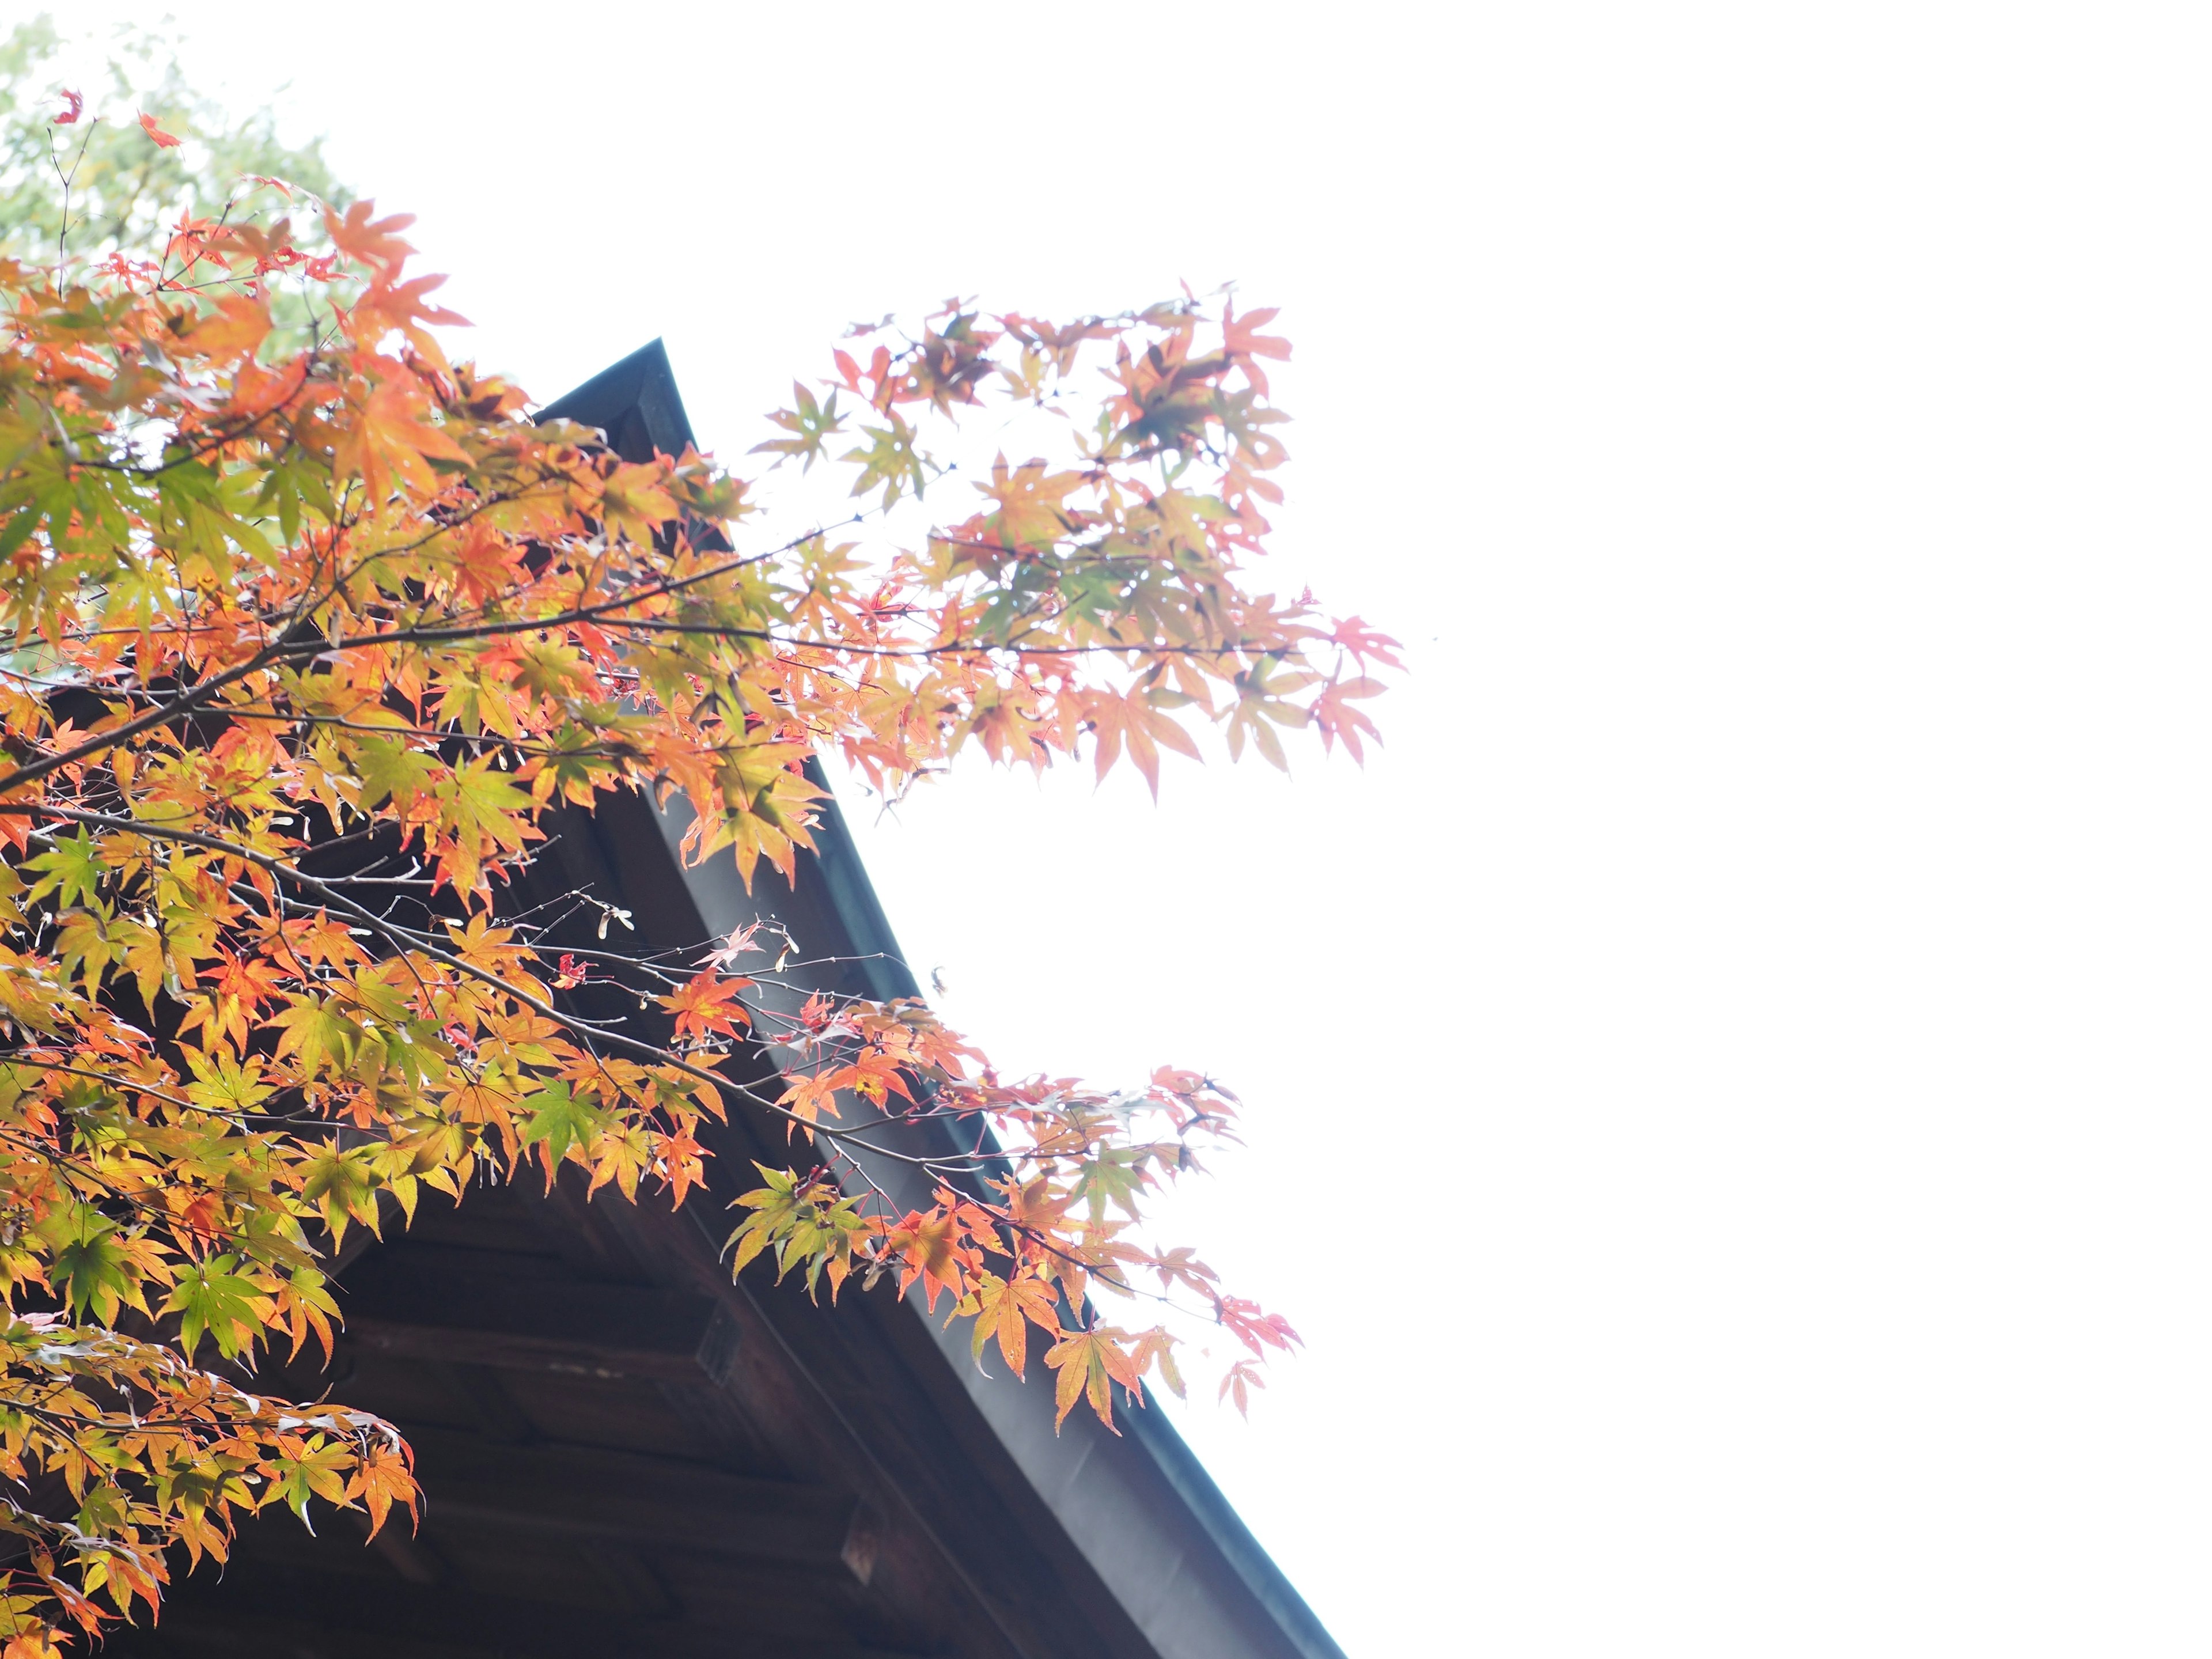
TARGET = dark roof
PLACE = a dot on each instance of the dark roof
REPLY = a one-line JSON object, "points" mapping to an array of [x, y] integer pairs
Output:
{"points": [[627, 1453]]}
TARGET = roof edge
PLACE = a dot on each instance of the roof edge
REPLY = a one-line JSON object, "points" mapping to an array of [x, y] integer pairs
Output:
{"points": [[635, 402]]}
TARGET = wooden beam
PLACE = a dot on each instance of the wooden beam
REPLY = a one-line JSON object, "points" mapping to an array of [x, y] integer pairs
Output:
{"points": [[337, 1616], [571, 1327], [399, 1546], [592, 1495]]}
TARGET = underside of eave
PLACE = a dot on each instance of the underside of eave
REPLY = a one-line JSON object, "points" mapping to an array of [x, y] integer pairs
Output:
{"points": [[1174, 1551]]}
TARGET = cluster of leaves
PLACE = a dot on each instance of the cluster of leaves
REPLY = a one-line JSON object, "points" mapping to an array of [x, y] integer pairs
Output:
{"points": [[145, 1451], [306, 640]]}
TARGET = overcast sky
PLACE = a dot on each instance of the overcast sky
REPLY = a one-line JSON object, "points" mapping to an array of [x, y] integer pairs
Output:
{"points": [[1754, 1010]]}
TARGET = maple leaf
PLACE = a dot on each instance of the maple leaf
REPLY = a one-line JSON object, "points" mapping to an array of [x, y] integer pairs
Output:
{"points": [[1237, 1385], [1255, 1330], [811, 424], [677, 1157], [1155, 1350], [620, 1156], [1005, 1308], [343, 1184], [1262, 691], [1131, 718], [391, 771], [74, 108], [875, 1075], [215, 1299], [1181, 1266], [707, 1004], [559, 1122], [384, 1476], [358, 234], [1030, 513], [165, 140], [774, 1208], [235, 329], [308, 1469], [72, 871], [223, 1084], [1118, 1177], [388, 304], [1333, 717], [739, 942], [890, 460], [394, 442], [1363, 642], [931, 1248], [481, 811], [632, 500], [808, 1095], [311, 1308], [318, 1031], [1088, 1363], [1241, 338], [1034, 1206]]}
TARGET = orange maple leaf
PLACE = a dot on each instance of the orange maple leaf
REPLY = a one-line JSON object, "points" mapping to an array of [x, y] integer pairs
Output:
{"points": [[708, 1004], [933, 1251], [373, 241], [382, 1479], [1006, 1309], [234, 329], [679, 1156], [1090, 1362]]}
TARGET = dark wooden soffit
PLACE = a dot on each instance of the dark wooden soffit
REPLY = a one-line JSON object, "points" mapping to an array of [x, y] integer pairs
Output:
{"points": [[1112, 1496]]}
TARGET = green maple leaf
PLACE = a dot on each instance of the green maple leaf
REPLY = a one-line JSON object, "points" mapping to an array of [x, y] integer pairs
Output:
{"points": [[559, 1121], [93, 1272], [316, 1031], [318, 1472], [889, 459], [73, 867], [388, 767], [1116, 1176], [216, 1300], [478, 797], [811, 421], [345, 1184], [223, 1086]]}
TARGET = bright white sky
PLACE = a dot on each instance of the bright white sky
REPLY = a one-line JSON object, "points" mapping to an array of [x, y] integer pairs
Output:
{"points": [[1753, 1012]]}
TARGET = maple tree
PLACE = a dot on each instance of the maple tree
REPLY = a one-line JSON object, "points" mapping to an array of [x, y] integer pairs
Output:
{"points": [[309, 631]]}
